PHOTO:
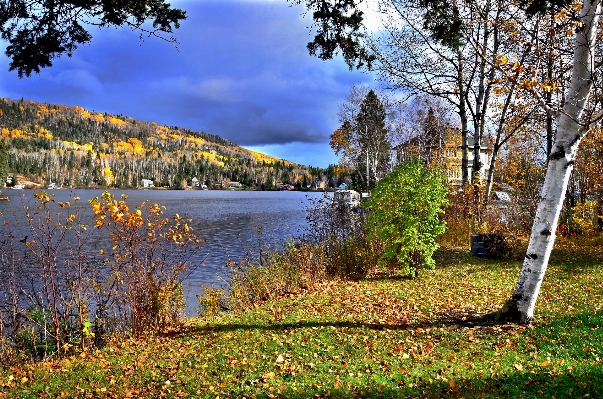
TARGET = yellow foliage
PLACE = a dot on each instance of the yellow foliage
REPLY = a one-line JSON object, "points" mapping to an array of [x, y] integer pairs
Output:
{"points": [[43, 133], [83, 113], [42, 109], [108, 175], [116, 121], [136, 144], [16, 133], [71, 145], [585, 217]]}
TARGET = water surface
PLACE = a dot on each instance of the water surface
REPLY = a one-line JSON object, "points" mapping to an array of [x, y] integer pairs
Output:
{"points": [[227, 220]]}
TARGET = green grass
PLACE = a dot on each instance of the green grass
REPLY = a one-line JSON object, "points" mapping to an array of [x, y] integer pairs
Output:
{"points": [[384, 336]]}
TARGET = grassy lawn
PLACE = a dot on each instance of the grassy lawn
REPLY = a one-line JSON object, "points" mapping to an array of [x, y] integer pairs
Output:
{"points": [[381, 337]]}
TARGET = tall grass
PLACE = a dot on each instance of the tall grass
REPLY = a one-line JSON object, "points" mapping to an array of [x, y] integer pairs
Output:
{"points": [[334, 245], [466, 214]]}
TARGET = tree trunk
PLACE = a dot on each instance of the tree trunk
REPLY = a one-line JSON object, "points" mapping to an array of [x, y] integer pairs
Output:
{"points": [[368, 188], [464, 121], [490, 178], [498, 143], [569, 133], [481, 102]]}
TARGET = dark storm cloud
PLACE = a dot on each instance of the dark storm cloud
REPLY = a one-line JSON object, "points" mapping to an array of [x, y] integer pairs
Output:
{"points": [[241, 71]]}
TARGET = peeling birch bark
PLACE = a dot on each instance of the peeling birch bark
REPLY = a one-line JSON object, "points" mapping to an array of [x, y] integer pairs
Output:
{"points": [[569, 133]]}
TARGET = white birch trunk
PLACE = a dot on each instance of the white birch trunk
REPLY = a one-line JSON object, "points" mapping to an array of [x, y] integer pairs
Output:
{"points": [[569, 133]]}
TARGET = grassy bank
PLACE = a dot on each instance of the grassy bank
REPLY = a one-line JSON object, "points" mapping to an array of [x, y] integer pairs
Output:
{"points": [[384, 336]]}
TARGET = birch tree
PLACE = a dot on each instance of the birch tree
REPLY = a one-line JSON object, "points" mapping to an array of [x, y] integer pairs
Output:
{"points": [[573, 122], [456, 68], [570, 121]]}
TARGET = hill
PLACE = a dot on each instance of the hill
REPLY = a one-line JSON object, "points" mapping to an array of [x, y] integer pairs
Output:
{"points": [[74, 147]]}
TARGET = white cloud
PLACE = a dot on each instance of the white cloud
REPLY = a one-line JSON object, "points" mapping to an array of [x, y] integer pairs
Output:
{"points": [[372, 16]]}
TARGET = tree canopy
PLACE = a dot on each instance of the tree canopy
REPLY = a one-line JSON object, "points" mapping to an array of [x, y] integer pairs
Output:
{"points": [[338, 25], [38, 31], [363, 140]]}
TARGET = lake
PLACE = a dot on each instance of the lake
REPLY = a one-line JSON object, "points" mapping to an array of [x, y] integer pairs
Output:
{"points": [[227, 220]]}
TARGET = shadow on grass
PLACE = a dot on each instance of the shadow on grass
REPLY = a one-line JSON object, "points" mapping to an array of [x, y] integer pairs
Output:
{"points": [[450, 318], [386, 275], [446, 257], [575, 258], [575, 374]]}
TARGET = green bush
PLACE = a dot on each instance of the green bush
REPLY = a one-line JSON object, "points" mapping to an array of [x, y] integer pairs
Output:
{"points": [[403, 213]]}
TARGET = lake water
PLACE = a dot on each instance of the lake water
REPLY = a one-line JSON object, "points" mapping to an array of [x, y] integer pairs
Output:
{"points": [[228, 220]]}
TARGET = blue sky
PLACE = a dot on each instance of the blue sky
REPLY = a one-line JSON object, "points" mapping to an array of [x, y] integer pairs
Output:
{"points": [[241, 71]]}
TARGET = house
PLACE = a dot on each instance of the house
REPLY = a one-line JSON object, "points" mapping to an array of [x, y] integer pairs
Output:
{"points": [[234, 184], [147, 183], [444, 150], [485, 155], [195, 182]]}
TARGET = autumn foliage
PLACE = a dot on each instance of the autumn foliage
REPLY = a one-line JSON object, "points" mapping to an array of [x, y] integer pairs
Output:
{"points": [[58, 294]]}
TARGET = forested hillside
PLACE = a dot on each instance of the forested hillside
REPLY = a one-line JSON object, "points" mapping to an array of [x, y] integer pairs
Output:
{"points": [[74, 147]]}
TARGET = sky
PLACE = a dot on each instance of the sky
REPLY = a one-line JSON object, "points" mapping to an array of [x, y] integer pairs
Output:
{"points": [[241, 71]]}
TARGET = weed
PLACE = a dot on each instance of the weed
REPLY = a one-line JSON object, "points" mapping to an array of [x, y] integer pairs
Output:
{"points": [[211, 301]]}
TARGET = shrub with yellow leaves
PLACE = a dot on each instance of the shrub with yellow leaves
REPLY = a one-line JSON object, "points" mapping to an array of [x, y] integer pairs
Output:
{"points": [[147, 282], [57, 295]]}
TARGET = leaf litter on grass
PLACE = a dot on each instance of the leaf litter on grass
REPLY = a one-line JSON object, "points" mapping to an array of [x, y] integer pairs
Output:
{"points": [[380, 337]]}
